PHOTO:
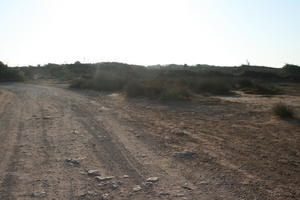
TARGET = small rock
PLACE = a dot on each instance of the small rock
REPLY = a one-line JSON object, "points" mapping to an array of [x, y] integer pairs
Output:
{"points": [[125, 176], [93, 173], [91, 193], [164, 193], [137, 188], [179, 195], [100, 178], [185, 186], [115, 185], [38, 194], [181, 133], [147, 184], [184, 154], [72, 161], [152, 179], [105, 196]]}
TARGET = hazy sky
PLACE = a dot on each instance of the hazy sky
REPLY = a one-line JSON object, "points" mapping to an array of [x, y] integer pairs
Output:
{"points": [[219, 32]]}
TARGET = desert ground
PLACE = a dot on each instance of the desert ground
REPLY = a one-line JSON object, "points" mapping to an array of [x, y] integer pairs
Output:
{"points": [[53, 138]]}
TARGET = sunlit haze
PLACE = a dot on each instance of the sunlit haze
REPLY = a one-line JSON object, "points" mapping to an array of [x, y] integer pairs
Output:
{"points": [[147, 32]]}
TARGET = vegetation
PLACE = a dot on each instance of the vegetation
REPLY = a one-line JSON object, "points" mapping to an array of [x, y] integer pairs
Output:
{"points": [[164, 82], [10, 74], [262, 89], [283, 111], [157, 89]]}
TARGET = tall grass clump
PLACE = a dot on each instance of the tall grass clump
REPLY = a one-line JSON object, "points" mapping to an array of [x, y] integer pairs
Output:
{"points": [[283, 111]]}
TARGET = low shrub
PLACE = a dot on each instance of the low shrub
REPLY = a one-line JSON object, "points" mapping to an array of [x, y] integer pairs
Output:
{"points": [[134, 89], [157, 89], [244, 83], [102, 81], [283, 111], [175, 93], [211, 86], [262, 89]]}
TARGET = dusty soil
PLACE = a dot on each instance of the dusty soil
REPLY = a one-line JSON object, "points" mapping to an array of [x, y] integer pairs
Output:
{"points": [[50, 137]]}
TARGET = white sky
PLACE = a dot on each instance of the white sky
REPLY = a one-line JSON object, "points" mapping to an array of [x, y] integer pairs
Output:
{"points": [[220, 32]]}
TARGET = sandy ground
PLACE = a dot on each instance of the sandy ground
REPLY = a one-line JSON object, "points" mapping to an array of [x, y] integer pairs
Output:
{"points": [[50, 137]]}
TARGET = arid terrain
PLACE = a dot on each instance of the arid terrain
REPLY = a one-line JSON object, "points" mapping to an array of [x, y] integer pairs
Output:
{"points": [[229, 147]]}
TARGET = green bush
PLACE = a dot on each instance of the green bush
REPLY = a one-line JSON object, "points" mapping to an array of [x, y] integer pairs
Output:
{"points": [[283, 111]]}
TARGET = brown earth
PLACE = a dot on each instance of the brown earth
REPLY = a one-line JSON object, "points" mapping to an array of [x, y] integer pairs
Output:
{"points": [[241, 150]]}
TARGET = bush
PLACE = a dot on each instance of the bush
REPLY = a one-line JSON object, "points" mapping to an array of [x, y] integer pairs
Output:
{"points": [[157, 89], [134, 89], [175, 93], [77, 83], [10, 74], [244, 83], [262, 89], [212, 86], [102, 81], [283, 111]]}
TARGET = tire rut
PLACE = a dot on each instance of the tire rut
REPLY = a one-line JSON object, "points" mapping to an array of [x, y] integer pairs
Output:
{"points": [[115, 156], [10, 179]]}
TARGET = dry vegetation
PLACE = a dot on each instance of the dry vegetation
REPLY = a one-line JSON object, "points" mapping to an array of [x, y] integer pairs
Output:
{"points": [[283, 111]]}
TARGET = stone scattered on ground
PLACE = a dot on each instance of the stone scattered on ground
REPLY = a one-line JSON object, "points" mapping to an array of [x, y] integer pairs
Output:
{"points": [[125, 176], [152, 179], [183, 154], [179, 195], [91, 193], [137, 188], [105, 196], [164, 193], [72, 162], [93, 173], [115, 185], [38, 194], [147, 184], [186, 186], [181, 133], [102, 178]]}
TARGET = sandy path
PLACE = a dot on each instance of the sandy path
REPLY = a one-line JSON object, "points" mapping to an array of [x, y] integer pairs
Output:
{"points": [[43, 126]]}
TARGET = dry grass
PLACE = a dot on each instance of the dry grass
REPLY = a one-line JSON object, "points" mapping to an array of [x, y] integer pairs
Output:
{"points": [[283, 111]]}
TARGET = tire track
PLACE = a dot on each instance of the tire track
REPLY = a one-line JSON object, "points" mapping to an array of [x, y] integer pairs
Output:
{"points": [[108, 149], [10, 179], [5, 121], [49, 148]]}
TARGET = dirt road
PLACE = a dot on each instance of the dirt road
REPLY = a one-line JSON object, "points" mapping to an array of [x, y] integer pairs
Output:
{"points": [[51, 137]]}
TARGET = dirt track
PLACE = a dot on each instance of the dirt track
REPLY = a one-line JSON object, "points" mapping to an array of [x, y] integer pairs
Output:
{"points": [[241, 151]]}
